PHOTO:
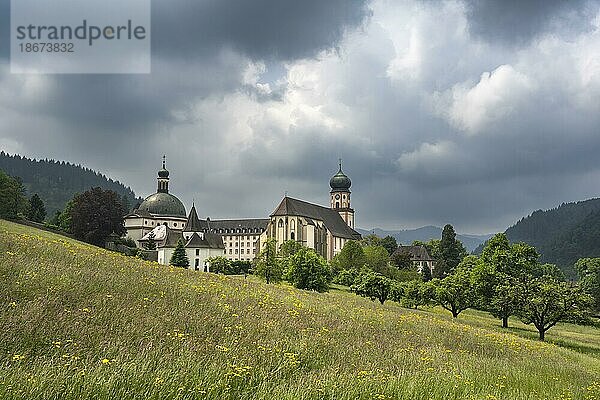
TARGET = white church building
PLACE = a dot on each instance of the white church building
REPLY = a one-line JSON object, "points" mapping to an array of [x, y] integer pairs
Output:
{"points": [[162, 218]]}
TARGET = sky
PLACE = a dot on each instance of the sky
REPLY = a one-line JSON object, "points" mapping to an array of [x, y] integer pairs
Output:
{"points": [[470, 113]]}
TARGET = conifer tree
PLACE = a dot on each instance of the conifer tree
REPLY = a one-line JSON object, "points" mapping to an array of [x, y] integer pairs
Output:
{"points": [[179, 257], [451, 252], [151, 243], [37, 210], [426, 271]]}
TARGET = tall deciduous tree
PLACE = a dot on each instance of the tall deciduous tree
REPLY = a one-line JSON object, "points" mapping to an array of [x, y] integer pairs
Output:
{"points": [[455, 292], [545, 302], [377, 258], [267, 265], [96, 214], [505, 300], [179, 257], [352, 256], [497, 275]]}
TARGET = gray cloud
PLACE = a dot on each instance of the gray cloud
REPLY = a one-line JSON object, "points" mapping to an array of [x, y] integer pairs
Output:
{"points": [[199, 49], [261, 29], [516, 22]]}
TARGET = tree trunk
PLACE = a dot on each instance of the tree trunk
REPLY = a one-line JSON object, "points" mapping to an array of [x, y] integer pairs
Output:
{"points": [[505, 322], [454, 313], [542, 334]]}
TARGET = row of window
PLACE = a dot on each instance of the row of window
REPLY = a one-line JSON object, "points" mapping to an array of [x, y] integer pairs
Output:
{"points": [[158, 223], [239, 230], [241, 244], [250, 237], [248, 251]]}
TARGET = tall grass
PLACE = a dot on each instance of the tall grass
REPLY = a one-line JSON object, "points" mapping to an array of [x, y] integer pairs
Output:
{"points": [[80, 322]]}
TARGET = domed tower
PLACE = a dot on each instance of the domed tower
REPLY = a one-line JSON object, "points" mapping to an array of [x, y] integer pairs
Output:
{"points": [[162, 203], [163, 179], [340, 196]]}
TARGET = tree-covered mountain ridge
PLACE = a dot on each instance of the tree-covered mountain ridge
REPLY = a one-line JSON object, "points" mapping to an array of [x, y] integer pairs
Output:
{"points": [[563, 234], [56, 182]]}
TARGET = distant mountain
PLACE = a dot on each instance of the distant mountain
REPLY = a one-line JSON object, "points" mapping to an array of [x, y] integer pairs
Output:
{"points": [[562, 235], [426, 233], [57, 181]]}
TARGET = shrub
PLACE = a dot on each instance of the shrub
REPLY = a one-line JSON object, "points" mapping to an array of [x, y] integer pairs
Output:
{"points": [[373, 285], [308, 270], [346, 277]]}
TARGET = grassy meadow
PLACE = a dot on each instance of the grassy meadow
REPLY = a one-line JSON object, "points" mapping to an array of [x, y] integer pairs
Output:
{"points": [[78, 322]]}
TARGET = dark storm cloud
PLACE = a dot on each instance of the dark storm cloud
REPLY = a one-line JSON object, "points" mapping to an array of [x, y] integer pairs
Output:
{"points": [[516, 22], [198, 50], [260, 29]]}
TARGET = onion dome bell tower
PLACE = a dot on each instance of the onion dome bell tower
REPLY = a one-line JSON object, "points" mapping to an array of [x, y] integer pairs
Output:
{"points": [[163, 179], [163, 204], [340, 196]]}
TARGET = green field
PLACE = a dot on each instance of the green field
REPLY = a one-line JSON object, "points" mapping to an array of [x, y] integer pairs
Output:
{"points": [[80, 322]]}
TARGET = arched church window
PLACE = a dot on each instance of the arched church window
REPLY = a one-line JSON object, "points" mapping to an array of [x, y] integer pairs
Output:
{"points": [[280, 223], [292, 236]]}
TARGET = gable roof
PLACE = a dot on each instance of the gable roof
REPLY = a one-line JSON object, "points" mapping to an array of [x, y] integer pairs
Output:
{"points": [[416, 252], [331, 218], [172, 238], [209, 240]]}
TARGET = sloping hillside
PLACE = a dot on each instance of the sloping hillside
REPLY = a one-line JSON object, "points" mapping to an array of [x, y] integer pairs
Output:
{"points": [[563, 234], [79, 322], [57, 181]]}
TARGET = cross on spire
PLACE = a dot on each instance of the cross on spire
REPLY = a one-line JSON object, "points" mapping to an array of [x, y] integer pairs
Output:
{"points": [[340, 160], [164, 159]]}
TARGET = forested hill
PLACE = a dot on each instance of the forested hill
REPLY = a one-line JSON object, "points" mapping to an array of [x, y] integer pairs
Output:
{"points": [[57, 181], [563, 234]]}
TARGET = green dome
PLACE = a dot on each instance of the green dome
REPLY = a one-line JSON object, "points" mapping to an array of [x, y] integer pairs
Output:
{"points": [[163, 204], [340, 182], [163, 173]]}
